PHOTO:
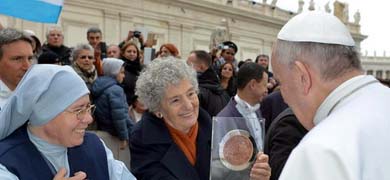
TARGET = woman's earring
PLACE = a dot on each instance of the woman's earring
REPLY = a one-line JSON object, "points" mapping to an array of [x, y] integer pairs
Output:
{"points": [[159, 115]]}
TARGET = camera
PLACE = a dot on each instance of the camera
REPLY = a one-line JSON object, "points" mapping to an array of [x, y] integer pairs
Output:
{"points": [[222, 46], [137, 34]]}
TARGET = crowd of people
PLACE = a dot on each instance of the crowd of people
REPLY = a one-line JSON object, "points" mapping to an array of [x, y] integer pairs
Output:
{"points": [[97, 111]]}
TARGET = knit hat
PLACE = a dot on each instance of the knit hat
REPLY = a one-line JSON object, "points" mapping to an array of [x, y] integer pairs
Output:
{"points": [[319, 27], [44, 92], [112, 66]]}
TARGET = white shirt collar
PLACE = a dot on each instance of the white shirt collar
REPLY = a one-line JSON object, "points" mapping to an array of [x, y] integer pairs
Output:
{"points": [[252, 120], [245, 105], [340, 93]]}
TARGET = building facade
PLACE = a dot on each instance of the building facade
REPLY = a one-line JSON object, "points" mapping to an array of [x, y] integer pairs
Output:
{"points": [[185, 23], [378, 66]]}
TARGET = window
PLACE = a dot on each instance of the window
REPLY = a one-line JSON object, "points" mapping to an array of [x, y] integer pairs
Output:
{"points": [[387, 74], [378, 74]]}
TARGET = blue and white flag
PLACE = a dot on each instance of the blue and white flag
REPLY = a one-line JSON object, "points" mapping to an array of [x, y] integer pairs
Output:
{"points": [[45, 11]]}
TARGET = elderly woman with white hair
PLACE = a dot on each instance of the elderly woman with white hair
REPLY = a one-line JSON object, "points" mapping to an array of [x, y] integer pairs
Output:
{"points": [[172, 140], [83, 63], [43, 131]]}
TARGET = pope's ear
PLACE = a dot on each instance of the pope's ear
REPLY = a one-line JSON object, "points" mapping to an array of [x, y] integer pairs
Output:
{"points": [[304, 76]]}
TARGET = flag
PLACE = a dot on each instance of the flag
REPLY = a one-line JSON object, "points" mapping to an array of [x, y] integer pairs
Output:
{"points": [[45, 11]]}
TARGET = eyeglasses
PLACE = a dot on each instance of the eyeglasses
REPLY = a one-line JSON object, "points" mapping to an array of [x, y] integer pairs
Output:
{"points": [[80, 114], [85, 57]]}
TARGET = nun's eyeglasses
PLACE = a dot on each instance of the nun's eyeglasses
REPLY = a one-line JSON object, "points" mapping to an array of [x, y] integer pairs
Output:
{"points": [[80, 114]]}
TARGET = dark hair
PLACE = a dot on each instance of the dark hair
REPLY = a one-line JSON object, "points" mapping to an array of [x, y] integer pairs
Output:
{"points": [[241, 63], [94, 30], [247, 72], [232, 84], [203, 57], [221, 68], [8, 36], [261, 55]]}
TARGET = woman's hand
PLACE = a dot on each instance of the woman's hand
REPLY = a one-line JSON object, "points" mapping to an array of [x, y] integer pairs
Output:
{"points": [[260, 169]]}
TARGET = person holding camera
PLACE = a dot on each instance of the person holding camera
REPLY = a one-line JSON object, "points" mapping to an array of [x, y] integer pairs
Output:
{"points": [[130, 54], [135, 37], [228, 50]]}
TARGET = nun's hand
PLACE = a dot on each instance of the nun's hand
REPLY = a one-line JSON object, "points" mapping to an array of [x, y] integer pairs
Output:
{"points": [[62, 173]]}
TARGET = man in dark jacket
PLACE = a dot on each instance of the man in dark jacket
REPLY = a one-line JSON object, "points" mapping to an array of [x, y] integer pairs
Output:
{"points": [[55, 43], [251, 89], [283, 135], [212, 97], [271, 106]]}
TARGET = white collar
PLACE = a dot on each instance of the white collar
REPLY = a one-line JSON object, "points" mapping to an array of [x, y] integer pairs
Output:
{"points": [[340, 93], [4, 90], [5, 93], [245, 105]]}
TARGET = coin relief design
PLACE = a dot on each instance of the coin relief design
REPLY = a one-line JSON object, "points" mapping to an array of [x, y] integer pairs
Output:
{"points": [[236, 150]]}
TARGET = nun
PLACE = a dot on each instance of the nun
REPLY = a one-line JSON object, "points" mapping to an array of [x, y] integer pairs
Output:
{"points": [[43, 130]]}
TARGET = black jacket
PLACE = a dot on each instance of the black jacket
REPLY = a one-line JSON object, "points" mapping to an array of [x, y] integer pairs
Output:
{"points": [[132, 70], [63, 52], [271, 106], [282, 137], [155, 156], [212, 97]]}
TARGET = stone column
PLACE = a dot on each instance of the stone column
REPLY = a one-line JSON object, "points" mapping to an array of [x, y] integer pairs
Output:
{"points": [[175, 34], [187, 40], [126, 24], [111, 29]]}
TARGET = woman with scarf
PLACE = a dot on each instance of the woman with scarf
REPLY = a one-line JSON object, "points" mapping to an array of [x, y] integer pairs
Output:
{"points": [[83, 59], [173, 138]]}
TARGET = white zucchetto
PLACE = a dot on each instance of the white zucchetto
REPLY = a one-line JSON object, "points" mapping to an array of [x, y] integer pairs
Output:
{"points": [[319, 27]]}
